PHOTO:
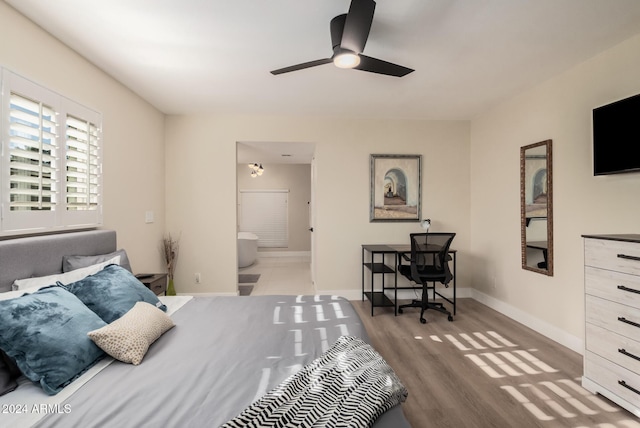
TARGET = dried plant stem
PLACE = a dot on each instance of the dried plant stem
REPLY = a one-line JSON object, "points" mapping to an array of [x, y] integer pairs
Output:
{"points": [[170, 249]]}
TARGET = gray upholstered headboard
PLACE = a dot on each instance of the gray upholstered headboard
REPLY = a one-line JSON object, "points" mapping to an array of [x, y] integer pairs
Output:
{"points": [[42, 255]]}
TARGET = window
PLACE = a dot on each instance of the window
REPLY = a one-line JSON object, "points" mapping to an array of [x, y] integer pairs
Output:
{"points": [[50, 168], [82, 165], [266, 213]]}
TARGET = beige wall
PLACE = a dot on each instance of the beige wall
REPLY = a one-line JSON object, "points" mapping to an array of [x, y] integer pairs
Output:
{"points": [[560, 109], [297, 179], [133, 132], [470, 179], [202, 149]]}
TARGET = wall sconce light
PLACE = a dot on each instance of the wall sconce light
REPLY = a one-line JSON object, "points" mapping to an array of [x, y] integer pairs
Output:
{"points": [[256, 169]]}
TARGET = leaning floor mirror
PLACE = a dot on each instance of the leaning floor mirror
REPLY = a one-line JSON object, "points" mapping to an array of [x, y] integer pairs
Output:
{"points": [[536, 207]]}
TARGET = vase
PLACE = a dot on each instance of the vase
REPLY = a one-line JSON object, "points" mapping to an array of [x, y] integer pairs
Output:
{"points": [[171, 291]]}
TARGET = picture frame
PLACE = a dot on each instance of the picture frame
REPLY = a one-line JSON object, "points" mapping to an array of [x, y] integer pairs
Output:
{"points": [[395, 188]]}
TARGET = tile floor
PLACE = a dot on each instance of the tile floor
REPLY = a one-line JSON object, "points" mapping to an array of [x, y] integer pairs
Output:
{"points": [[281, 275]]}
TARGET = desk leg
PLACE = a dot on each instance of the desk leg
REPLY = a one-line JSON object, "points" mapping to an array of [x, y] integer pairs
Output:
{"points": [[395, 284], [373, 259], [383, 275]]}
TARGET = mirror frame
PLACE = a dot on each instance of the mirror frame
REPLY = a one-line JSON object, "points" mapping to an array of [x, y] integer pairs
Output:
{"points": [[523, 219]]}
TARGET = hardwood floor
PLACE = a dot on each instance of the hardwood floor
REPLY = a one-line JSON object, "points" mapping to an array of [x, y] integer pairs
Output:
{"points": [[485, 370]]}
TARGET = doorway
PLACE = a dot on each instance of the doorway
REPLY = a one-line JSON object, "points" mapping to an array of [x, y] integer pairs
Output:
{"points": [[284, 167]]}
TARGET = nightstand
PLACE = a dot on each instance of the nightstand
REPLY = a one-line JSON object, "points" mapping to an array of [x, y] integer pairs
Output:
{"points": [[156, 282]]}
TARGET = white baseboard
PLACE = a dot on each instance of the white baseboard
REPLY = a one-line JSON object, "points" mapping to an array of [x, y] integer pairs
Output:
{"points": [[557, 335], [461, 293], [560, 336]]}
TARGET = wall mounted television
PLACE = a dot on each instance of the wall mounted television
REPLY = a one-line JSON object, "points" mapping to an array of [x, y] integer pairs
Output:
{"points": [[616, 137]]}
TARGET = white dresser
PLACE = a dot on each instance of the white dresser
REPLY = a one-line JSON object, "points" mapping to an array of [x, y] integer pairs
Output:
{"points": [[612, 309]]}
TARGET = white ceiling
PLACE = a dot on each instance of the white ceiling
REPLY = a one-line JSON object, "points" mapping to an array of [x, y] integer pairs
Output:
{"points": [[186, 56], [274, 152]]}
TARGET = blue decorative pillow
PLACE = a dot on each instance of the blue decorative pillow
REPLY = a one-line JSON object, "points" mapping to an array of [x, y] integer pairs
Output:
{"points": [[45, 333], [111, 292]]}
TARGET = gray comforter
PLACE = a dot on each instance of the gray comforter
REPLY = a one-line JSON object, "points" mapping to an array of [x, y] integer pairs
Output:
{"points": [[350, 385], [223, 354]]}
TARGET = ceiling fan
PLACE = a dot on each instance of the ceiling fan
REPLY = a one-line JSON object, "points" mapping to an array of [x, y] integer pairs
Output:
{"points": [[349, 33]]}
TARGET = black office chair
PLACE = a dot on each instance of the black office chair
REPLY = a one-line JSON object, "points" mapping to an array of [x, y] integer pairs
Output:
{"points": [[429, 263]]}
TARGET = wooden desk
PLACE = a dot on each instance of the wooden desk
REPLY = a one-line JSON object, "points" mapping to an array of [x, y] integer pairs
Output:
{"points": [[397, 251]]}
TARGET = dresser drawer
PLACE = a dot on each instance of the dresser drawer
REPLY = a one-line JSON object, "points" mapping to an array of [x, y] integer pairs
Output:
{"points": [[621, 319], [618, 287], [614, 347], [610, 376], [619, 256]]}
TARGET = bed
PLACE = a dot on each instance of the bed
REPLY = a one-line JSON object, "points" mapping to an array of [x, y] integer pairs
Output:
{"points": [[221, 362]]}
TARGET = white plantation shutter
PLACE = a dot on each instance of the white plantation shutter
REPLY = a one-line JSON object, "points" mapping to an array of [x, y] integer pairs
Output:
{"points": [[266, 213], [33, 155], [82, 165], [50, 169]]}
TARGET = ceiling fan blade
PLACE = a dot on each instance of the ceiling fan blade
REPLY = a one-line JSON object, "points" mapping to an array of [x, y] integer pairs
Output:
{"points": [[337, 27], [379, 66], [302, 66], [357, 25]]}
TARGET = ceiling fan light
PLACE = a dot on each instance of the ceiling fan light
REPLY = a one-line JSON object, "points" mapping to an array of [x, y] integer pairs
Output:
{"points": [[346, 60]]}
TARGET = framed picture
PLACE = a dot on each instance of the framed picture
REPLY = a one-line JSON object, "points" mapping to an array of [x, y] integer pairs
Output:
{"points": [[395, 188]]}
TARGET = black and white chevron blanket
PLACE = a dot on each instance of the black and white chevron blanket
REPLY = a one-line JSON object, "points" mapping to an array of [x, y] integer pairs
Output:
{"points": [[350, 385]]}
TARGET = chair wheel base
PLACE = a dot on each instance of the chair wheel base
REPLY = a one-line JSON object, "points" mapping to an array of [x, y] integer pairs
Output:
{"points": [[430, 306]]}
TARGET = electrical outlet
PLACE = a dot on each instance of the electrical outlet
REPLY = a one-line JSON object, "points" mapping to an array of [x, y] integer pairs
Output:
{"points": [[197, 277]]}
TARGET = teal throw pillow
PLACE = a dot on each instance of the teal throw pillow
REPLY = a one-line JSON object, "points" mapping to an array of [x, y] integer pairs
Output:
{"points": [[45, 333], [112, 292]]}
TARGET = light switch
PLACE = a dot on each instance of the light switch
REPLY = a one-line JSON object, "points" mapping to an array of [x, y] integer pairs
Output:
{"points": [[148, 217]]}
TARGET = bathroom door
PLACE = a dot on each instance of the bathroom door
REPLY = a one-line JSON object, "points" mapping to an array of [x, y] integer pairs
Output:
{"points": [[312, 220]]}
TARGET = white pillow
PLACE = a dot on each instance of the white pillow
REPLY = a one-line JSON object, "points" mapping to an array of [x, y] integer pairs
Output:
{"points": [[65, 278], [128, 338]]}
